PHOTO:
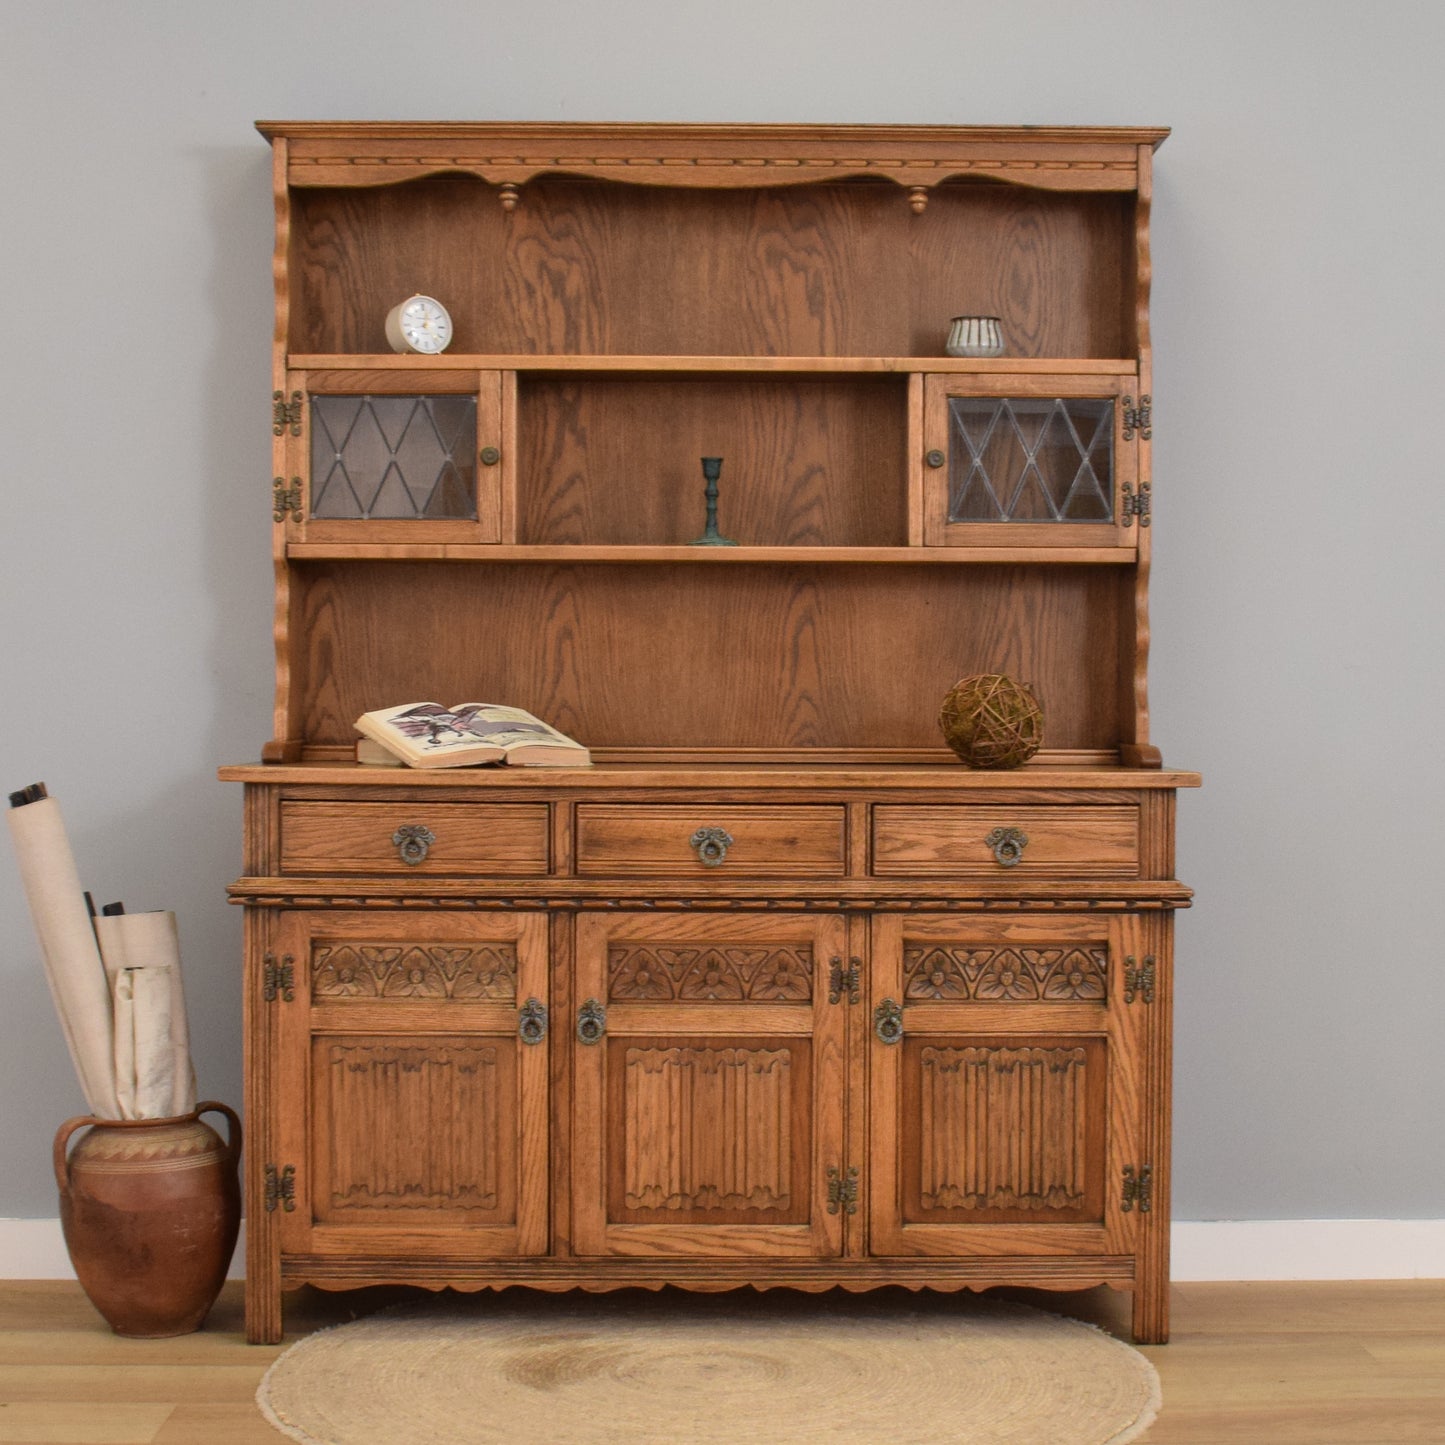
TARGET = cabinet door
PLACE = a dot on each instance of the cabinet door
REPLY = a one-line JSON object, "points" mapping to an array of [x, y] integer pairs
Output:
{"points": [[412, 1084], [1005, 1074], [392, 456], [708, 1102], [1030, 461]]}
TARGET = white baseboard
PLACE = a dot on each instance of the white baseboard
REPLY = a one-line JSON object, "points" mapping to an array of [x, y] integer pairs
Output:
{"points": [[1216, 1249]]}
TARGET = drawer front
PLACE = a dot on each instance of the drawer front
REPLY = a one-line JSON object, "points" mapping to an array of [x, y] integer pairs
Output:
{"points": [[972, 840], [509, 839], [707, 840]]}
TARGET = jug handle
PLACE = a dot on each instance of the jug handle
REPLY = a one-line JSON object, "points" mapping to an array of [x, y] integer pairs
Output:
{"points": [[233, 1127], [62, 1139]]}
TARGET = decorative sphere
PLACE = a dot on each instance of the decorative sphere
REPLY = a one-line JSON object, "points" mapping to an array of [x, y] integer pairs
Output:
{"points": [[991, 721]]}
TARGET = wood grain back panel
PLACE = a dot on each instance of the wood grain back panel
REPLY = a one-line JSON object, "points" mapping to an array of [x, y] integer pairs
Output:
{"points": [[675, 656]]}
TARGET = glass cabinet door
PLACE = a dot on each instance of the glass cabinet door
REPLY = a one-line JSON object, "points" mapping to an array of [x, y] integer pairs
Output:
{"points": [[1023, 461], [371, 462]]}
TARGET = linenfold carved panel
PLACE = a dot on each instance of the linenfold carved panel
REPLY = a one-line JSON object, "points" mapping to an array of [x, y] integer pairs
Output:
{"points": [[412, 1126], [779, 973], [485, 971], [707, 1128], [1003, 1128], [945, 972]]}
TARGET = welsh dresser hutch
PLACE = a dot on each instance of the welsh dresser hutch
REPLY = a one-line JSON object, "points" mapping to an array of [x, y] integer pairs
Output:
{"points": [[777, 992]]}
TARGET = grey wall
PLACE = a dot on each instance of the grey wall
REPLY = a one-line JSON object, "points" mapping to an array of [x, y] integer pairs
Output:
{"points": [[1297, 613]]}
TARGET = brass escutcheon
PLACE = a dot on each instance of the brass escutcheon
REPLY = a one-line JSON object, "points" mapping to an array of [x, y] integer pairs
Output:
{"points": [[1008, 846], [532, 1026], [711, 846], [888, 1021], [591, 1022], [413, 840]]}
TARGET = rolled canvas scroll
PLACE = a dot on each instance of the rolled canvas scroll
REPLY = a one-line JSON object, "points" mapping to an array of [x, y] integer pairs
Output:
{"points": [[144, 1058], [145, 943], [67, 945]]}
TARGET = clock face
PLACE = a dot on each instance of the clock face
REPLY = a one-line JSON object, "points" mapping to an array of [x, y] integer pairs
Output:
{"points": [[419, 324]]}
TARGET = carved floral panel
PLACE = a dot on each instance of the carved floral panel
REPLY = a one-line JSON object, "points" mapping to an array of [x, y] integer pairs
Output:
{"points": [[946, 972], [486, 971], [649, 972]]}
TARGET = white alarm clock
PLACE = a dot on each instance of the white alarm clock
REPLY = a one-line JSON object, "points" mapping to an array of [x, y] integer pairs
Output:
{"points": [[420, 323]]}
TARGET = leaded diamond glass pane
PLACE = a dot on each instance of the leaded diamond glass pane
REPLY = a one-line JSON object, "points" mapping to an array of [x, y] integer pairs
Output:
{"points": [[406, 457], [1030, 459]]}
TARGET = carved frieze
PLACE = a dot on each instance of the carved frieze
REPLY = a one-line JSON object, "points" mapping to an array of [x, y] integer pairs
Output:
{"points": [[946, 973], [652, 972], [484, 971]]}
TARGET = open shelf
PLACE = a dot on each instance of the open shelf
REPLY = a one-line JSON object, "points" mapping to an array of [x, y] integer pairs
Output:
{"points": [[570, 555], [766, 365]]}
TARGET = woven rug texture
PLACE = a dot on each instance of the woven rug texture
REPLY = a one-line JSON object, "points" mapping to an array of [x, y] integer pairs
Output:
{"points": [[627, 1371]]}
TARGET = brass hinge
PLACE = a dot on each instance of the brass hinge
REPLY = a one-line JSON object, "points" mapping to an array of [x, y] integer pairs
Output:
{"points": [[1139, 981], [840, 978], [842, 1190], [1138, 1189], [285, 499], [1136, 504], [286, 413], [278, 979], [280, 1188], [1140, 418]]}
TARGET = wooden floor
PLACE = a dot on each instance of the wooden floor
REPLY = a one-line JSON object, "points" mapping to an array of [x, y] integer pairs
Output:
{"points": [[1270, 1364]]}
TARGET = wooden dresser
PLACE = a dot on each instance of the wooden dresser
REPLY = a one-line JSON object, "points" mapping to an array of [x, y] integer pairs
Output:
{"points": [[778, 992]]}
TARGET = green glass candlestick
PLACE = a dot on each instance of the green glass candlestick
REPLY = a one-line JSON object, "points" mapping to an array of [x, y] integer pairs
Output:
{"points": [[711, 537]]}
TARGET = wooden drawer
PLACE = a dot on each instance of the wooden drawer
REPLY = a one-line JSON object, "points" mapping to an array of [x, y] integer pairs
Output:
{"points": [[651, 840], [491, 838], [969, 839]]}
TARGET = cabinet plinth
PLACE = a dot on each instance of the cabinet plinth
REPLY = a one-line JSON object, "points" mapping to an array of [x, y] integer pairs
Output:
{"points": [[756, 999]]}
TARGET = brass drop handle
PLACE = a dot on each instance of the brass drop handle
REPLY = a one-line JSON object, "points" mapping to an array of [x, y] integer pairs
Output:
{"points": [[711, 846], [888, 1021], [1008, 846], [413, 840], [591, 1022], [532, 1025]]}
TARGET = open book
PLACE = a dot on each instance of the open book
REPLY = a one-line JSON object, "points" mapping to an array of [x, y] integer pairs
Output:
{"points": [[428, 735]]}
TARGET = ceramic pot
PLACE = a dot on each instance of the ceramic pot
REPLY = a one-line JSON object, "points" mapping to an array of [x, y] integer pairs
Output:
{"points": [[150, 1210], [974, 336]]}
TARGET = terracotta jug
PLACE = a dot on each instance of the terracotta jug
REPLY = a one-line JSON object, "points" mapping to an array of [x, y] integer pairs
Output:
{"points": [[150, 1210]]}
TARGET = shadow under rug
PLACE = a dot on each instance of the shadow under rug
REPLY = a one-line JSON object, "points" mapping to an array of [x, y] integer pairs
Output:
{"points": [[468, 1370]]}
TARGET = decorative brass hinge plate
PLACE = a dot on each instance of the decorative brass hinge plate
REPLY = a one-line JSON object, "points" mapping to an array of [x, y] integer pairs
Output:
{"points": [[1139, 980], [1136, 504], [1138, 1189], [278, 978], [285, 413], [842, 979], [280, 1188], [285, 499], [842, 1190], [1140, 418]]}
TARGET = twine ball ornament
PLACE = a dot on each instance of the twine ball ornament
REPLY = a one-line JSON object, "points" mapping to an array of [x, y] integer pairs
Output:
{"points": [[991, 721]]}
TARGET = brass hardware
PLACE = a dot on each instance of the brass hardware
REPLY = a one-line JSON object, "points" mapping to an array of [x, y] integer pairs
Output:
{"points": [[1008, 846], [1138, 1189], [591, 1022], [413, 840], [1140, 419], [711, 846], [1136, 504], [888, 1021], [280, 1188], [842, 1190], [1139, 982], [278, 978], [286, 413], [491, 456], [285, 499], [840, 978], [935, 458], [532, 1026]]}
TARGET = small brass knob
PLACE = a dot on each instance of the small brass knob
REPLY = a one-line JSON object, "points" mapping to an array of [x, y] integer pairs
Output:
{"points": [[491, 456], [935, 458]]}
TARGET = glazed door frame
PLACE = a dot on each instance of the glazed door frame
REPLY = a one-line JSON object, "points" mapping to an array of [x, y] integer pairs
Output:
{"points": [[1019, 1025], [392, 1010], [708, 1017]]}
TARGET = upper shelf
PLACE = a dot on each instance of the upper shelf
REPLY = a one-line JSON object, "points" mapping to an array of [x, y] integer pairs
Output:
{"points": [[804, 365]]}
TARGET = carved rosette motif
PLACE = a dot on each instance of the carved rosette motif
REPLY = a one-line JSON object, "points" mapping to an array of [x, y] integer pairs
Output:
{"points": [[707, 1128], [649, 972], [485, 971], [944, 973], [978, 1103]]}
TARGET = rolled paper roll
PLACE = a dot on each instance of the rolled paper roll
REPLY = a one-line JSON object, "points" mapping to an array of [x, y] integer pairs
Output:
{"points": [[131, 942], [67, 945], [144, 1058]]}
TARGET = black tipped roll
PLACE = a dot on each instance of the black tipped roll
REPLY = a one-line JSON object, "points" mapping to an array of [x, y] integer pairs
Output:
{"points": [[32, 794]]}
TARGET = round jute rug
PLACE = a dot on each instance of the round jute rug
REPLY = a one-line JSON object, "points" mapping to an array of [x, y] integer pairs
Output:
{"points": [[705, 1372]]}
